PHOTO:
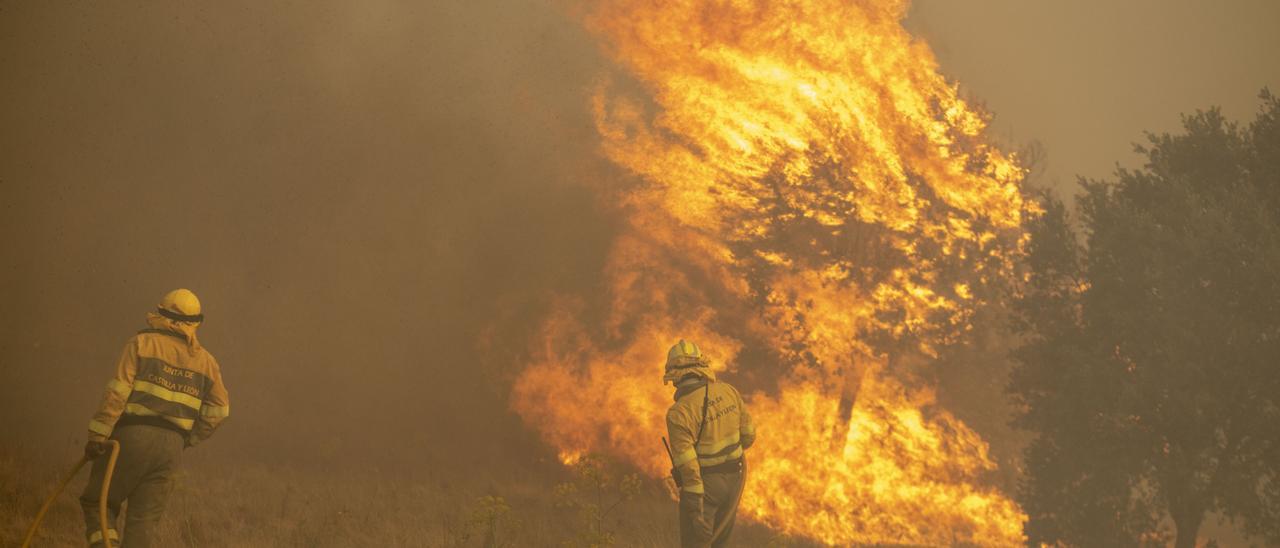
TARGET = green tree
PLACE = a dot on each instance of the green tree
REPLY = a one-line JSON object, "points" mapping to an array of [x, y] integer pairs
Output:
{"points": [[1150, 367], [594, 494], [490, 516]]}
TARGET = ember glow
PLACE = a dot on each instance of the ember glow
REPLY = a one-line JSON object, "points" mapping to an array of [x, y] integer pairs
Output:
{"points": [[809, 186]]}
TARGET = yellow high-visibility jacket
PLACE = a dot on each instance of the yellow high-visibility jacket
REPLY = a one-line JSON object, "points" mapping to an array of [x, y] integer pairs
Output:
{"points": [[727, 429], [162, 381]]}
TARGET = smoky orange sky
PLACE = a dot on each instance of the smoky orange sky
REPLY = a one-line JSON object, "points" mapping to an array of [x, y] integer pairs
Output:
{"points": [[377, 201]]}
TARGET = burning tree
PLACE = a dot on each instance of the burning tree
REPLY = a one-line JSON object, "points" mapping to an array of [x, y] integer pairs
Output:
{"points": [[1150, 373], [812, 202]]}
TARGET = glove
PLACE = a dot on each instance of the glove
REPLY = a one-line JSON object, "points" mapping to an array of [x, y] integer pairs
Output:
{"points": [[675, 476], [95, 448], [691, 513]]}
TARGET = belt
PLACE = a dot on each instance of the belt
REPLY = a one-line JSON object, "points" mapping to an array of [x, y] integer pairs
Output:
{"points": [[131, 420], [731, 467]]}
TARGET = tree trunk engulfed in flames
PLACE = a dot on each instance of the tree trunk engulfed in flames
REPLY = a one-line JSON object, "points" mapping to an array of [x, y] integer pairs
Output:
{"points": [[812, 195]]}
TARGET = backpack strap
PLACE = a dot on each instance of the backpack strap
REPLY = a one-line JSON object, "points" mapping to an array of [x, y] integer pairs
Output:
{"points": [[706, 397]]}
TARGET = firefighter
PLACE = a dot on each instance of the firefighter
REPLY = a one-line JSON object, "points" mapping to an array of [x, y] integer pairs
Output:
{"points": [[709, 429], [166, 395]]}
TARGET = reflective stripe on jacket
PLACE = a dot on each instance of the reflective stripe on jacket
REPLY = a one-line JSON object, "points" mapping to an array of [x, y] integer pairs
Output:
{"points": [[159, 377], [726, 432]]}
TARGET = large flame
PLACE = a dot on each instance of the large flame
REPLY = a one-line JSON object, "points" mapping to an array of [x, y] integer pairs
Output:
{"points": [[813, 203]]}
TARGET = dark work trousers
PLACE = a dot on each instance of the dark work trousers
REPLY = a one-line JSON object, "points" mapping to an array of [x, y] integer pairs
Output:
{"points": [[719, 509], [143, 476]]}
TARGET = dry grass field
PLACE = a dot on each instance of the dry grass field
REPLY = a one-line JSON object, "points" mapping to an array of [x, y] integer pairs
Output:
{"points": [[216, 504]]}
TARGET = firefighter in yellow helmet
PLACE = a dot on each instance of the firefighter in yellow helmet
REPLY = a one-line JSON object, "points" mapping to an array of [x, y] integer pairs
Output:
{"points": [[709, 429], [166, 395]]}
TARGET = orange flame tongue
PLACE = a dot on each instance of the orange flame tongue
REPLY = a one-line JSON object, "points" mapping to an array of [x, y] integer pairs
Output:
{"points": [[810, 185], [891, 476]]}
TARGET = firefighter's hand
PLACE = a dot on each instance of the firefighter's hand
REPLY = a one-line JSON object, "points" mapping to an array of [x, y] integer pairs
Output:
{"points": [[95, 448], [691, 513]]}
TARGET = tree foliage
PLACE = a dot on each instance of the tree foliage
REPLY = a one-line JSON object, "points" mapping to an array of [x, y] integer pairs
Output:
{"points": [[1150, 369], [594, 494]]}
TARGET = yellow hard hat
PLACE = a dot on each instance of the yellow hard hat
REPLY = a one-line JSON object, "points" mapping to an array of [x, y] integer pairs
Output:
{"points": [[685, 358], [181, 305], [683, 353]]}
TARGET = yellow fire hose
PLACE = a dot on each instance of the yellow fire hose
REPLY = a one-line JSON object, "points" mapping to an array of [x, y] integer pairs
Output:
{"points": [[102, 499]]}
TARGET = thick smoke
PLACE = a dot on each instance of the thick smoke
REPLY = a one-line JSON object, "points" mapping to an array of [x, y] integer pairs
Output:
{"points": [[376, 200], [361, 196]]}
